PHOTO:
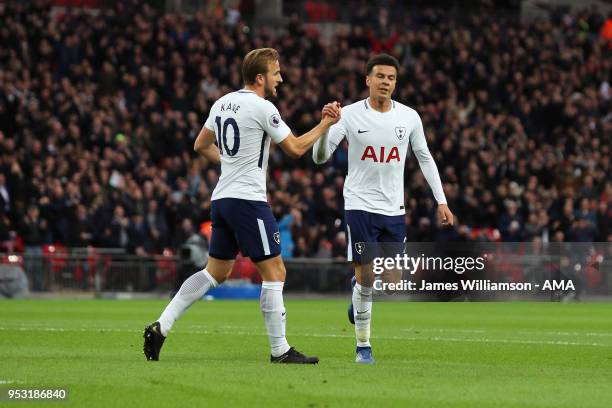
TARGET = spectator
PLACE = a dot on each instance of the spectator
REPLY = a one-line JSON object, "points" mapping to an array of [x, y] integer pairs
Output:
{"points": [[582, 230], [81, 229], [285, 233], [5, 197], [34, 233], [510, 223]]}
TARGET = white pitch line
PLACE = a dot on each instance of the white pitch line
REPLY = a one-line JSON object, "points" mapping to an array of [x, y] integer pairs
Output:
{"points": [[324, 335], [418, 329], [551, 333], [560, 333]]}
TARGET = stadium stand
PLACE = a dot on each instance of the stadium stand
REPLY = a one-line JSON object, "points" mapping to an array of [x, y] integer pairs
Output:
{"points": [[99, 112]]}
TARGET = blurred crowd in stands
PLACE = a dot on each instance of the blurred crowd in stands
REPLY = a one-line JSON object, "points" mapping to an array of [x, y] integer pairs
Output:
{"points": [[99, 112]]}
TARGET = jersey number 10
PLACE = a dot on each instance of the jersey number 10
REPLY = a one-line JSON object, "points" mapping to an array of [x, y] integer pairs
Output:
{"points": [[222, 135], [222, 138]]}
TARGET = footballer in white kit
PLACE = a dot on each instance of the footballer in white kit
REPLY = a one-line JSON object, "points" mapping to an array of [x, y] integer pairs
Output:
{"points": [[379, 132], [242, 218], [237, 133]]}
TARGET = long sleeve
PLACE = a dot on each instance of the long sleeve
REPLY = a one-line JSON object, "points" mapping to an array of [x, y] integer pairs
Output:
{"points": [[430, 171], [426, 161], [328, 143]]}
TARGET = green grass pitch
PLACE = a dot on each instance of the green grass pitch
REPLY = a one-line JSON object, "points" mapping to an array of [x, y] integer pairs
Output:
{"points": [[428, 355]]}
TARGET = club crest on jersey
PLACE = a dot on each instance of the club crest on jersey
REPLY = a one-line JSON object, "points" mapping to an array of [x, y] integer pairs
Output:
{"points": [[276, 237], [274, 120], [359, 246], [400, 132]]}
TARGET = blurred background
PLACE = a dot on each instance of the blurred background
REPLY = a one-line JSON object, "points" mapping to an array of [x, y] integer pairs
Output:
{"points": [[101, 101]]}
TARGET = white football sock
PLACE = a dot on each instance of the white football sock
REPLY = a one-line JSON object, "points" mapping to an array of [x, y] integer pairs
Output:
{"points": [[273, 310], [191, 290], [362, 312]]}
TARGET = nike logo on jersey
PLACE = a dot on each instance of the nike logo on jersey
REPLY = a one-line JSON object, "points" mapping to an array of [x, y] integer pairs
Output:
{"points": [[358, 312], [362, 131]]}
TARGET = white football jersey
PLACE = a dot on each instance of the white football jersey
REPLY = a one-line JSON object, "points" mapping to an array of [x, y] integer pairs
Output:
{"points": [[377, 147], [243, 124]]}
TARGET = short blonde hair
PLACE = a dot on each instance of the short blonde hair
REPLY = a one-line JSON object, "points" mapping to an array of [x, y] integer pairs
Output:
{"points": [[256, 62]]}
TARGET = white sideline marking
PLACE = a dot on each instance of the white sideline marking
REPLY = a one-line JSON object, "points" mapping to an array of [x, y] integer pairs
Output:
{"points": [[413, 329], [330, 335], [551, 333], [594, 334]]}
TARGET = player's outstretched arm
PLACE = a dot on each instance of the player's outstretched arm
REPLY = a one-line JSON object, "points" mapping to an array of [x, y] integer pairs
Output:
{"points": [[205, 145], [321, 151], [295, 147], [430, 171], [327, 143]]}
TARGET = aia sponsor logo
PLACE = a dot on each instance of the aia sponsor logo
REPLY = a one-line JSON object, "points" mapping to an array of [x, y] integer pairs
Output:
{"points": [[382, 155]]}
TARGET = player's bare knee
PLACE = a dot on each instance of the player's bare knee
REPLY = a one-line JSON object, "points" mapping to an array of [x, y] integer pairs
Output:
{"points": [[392, 276], [219, 277], [272, 269], [219, 269], [364, 274]]}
